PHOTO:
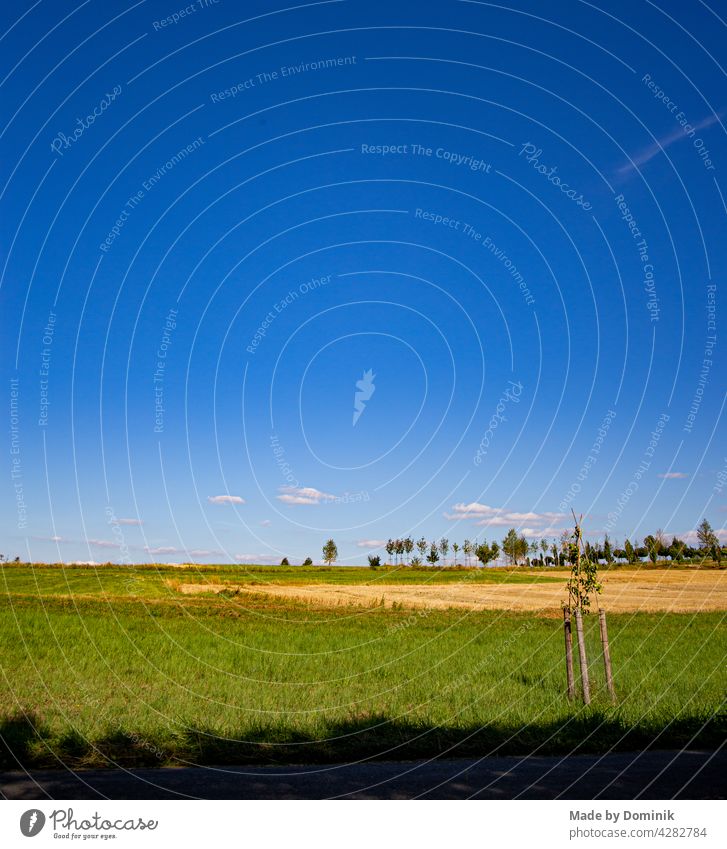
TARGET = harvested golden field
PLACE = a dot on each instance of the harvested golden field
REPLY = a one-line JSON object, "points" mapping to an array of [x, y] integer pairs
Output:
{"points": [[624, 591]]}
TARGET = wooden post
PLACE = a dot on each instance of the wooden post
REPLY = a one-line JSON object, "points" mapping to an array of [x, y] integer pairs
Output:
{"points": [[606, 654], [585, 684], [569, 653]]}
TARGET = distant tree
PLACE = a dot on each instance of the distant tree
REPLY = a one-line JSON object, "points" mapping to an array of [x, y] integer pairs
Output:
{"points": [[408, 547], [708, 542], [652, 546], [567, 548], [467, 550], [422, 547], [676, 549], [544, 549], [486, 553], [433, 556], [390, 548], [555, 551], [455, 549], [330, 552], [515, 547], [444, 548], [661, 545], [630, 552], [511, 546], [534, 549], [416, 562], [374, 561], [607, 550], [523, 547], [284, 562], [307, 562]]}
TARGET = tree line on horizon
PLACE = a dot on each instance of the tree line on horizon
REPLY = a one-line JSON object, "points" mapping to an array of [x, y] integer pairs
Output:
{"points": [[518, 550]]}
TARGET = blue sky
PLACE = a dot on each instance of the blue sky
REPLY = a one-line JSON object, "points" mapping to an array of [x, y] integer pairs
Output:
{"points": [[216, 222]]}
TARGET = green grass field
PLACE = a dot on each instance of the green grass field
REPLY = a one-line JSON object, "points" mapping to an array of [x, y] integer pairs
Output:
{"points": [[112, 666]]}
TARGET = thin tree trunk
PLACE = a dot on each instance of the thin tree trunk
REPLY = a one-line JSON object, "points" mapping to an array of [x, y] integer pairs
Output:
{"points": [[585, 683], [569, 654], [606, 654]]}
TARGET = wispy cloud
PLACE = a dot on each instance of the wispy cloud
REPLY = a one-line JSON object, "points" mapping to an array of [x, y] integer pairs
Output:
{"points": [[487, 516], [103, 543], [303, 495], [371, 543], [257, 558], [265, 523], [187, 552], [470, 511], [225, 499], [129, 522], [672, 476], [650, 151]]}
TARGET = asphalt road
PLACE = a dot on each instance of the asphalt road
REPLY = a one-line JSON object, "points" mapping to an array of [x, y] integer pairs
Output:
{"points": [[640, 775]]}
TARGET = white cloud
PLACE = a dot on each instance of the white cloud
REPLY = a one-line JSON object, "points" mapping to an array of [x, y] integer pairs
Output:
{"points": [[189, 552], [254, 559], [553, 532], [496, 522], [531, 533], [265, 523], [487, 516], [670, 476], [303, 495], [103, 543], [129, 522], [225, 499], [371, 543], [468, 511]]}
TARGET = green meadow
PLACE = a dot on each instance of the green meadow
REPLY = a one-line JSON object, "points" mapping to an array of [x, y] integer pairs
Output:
{"points": [[112, 666]]}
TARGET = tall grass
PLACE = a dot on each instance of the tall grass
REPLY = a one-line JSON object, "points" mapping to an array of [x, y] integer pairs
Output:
{"points": [[151, 681]]}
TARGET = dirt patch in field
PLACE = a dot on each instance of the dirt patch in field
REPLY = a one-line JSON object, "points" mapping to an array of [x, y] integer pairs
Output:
{"points": [[624, 591]]}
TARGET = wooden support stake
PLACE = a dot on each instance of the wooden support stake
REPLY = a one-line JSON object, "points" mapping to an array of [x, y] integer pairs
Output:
{"points": [[606, 654], [585, 684], [569, 654]]}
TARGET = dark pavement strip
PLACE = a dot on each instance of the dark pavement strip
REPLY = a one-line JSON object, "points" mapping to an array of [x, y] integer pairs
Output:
{"points": [[643, 775]]}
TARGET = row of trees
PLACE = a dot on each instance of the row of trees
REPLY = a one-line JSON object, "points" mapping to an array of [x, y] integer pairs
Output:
{"points": [[517, 549], [555, 552], [401, 551]]}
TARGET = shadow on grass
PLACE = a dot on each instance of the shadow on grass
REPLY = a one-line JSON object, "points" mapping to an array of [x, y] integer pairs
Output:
{"points": [[27, 743]]}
